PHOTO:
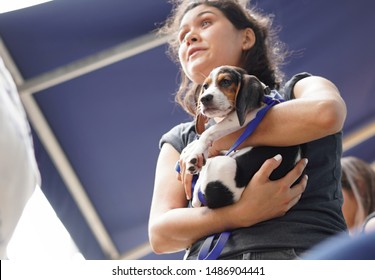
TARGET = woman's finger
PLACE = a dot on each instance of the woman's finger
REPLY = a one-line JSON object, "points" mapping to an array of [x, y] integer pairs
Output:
{"points": [[186, 179], [269, 166], [297, 190], [187, 185], [293, 175]]}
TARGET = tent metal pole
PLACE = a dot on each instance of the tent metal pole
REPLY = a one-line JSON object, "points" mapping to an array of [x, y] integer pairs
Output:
{"points": [[137, 253], [92, 63], [359, 136]]}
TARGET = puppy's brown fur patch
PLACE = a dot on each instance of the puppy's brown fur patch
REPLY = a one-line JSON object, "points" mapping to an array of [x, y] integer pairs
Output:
{"points": [[229, 91]]}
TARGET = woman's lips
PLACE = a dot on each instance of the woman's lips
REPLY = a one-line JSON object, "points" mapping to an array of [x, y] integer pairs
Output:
{"points": [[193, 51]]}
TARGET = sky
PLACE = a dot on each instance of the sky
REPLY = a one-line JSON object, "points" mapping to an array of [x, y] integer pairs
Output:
{"points": [[11, 5]]}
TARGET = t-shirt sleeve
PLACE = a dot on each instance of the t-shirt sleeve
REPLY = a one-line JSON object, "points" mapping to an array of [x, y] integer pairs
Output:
{"points": [[287, 90], [179, 136]]}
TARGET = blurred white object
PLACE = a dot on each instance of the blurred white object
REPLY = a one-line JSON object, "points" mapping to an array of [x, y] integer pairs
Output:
{"points": [[40, 235], [19, 174]]}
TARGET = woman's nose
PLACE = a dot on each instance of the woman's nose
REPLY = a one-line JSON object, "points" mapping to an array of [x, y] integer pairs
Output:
{"points": [[191, 37]]}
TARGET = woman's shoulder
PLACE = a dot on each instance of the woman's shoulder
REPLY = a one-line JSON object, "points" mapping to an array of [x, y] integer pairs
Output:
{"points": [[179, 136]]}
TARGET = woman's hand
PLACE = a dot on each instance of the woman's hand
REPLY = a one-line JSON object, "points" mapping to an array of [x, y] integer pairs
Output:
{"points": [[186, 178], [271, 199]]}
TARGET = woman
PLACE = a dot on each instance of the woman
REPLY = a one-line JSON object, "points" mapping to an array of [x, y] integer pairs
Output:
{"points": [[358, 185], [207, 34]]}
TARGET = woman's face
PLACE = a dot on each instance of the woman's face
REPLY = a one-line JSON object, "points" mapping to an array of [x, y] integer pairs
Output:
{"points": [[352, 210], [208, 40], [349, 208]]}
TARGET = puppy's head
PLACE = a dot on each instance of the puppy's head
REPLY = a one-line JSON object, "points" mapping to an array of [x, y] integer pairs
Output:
{"points": [[228, 88]]}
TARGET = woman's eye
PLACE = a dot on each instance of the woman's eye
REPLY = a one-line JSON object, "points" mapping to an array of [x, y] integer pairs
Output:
{"points": [[205, 23], [225, 83]]}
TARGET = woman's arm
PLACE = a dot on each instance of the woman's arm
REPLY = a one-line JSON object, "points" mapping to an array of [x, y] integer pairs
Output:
{"points": [[317, 111], [173, 227]]}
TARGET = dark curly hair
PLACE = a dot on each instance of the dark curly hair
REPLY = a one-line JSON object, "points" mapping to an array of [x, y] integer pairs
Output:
{"points": [[262, 60]]}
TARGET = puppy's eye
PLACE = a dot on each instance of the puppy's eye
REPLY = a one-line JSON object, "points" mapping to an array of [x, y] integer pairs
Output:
{"points": [[225, 83], [205, 86]]}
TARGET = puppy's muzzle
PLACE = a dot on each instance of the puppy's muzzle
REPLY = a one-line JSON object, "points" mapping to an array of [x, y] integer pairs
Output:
{"points": [[206, 99]]}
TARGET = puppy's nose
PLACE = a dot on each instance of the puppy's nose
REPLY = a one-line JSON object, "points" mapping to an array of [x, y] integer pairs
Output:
{"points": [[207, 99]]}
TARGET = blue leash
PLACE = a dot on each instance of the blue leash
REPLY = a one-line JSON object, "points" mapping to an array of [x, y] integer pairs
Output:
{"points": [[250, 128], [205, 253]]}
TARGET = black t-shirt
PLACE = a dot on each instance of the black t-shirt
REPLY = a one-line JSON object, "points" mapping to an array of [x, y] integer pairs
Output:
{"points": [[314, 218]]}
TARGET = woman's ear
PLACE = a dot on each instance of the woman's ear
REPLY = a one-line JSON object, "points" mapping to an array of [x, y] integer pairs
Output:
{"points": [[248, 39]]}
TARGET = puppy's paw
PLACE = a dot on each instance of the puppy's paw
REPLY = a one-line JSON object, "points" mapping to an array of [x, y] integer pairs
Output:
{"points": [[194, 163], [194, 155]]}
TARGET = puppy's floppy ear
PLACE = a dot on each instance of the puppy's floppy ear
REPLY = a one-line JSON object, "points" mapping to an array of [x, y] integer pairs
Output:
{"points": [[249, 96], [200, 119], [200, 122]]}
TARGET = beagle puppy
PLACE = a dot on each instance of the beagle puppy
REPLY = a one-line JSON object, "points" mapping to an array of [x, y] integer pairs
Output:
{"points": [[233, 98]]}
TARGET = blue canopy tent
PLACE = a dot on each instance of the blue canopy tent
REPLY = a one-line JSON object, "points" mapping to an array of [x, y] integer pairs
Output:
{"points": [[98, 89]]}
